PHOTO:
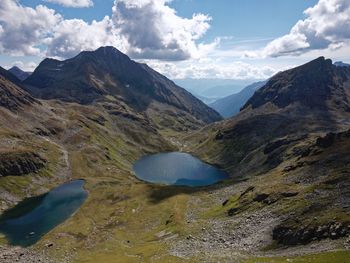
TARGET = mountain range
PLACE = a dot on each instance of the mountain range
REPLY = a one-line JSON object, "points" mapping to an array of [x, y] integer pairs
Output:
{"points": [[92, 116]]}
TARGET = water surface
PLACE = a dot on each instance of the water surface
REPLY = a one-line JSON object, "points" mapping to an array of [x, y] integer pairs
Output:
{"points": [[32, 218], [177, 168]]}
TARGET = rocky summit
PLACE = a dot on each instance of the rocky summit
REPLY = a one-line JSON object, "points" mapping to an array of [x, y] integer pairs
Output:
{"points": [[93, 116]]}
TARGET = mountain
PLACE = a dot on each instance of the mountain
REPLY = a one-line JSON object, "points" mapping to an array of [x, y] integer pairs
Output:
{"points": [[231, 105], [20, 74], [12, 96], [287, 152], [317, 85], [312, 98], [94, 75]]}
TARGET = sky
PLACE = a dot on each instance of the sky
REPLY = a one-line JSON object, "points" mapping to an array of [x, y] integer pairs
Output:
{"points": [[225, 39]]}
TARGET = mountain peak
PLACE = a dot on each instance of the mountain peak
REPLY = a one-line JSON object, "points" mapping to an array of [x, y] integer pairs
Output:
{"points": [[19, 73], [93, 75], [310, 85]]}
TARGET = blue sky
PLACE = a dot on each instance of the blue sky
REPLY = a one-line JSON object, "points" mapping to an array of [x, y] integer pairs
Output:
{"points": [[180, 38]]}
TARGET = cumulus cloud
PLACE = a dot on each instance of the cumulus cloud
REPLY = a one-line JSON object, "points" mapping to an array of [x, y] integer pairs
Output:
{"points": [[75, 35], [144, 29], [24, 29], [154, 30], [326, 26], [72, 3]]}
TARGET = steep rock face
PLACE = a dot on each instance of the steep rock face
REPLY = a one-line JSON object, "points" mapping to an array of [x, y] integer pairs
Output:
{"points": [[12, 96], [91, 76], [20, 163]]}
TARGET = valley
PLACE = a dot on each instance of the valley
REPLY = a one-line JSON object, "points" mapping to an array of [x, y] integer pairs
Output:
{"points": [[286, 154]]}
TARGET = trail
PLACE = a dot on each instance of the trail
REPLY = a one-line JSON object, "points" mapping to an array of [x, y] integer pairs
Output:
{"points": [[65, 172]]}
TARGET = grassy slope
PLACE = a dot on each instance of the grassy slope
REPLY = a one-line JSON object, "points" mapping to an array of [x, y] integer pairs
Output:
{"points": [[124, 220]]}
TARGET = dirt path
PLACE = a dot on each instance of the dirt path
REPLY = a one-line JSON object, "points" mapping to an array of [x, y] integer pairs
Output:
{"points": [[65, 172]]}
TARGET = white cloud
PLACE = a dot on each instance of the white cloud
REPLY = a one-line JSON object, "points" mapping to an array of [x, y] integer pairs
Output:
{"points": [[24, 29], [73, 36], [326, 26], [144, 29], [155, 31], [72, 3]]}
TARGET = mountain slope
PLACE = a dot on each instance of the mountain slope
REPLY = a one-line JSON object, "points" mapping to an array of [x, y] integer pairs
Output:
{"points": [[288, 154], [20, 74], [12, 97], [314, 97], [92, 76], [231, 105]]}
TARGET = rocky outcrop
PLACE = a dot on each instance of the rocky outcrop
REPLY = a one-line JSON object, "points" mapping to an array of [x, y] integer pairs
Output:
{"points": [[20, 163], [295, 236]]}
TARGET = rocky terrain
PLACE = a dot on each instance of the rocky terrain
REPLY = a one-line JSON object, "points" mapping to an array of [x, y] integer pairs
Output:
{"points": [[286, 152]]}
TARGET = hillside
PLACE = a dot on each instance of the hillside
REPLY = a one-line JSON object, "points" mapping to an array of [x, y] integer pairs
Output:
{"points": [[231, 105], [94, 75], [287, 154], [12, 97]]}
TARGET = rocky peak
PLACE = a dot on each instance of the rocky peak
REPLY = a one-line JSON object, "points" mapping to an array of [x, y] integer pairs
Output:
{"points": [[310, 85]]}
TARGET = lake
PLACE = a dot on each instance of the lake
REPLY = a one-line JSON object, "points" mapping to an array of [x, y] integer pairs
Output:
{"points": [[32, 218], [177, 168]]}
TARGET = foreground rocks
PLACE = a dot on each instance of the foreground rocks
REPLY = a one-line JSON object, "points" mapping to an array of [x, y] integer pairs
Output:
{"points": [[22, 255]]}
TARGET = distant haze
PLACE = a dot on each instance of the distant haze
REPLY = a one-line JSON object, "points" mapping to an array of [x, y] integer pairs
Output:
{"points": [[209, 90]]}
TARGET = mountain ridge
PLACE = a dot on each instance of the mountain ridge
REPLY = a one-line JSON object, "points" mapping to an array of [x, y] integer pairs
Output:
{"points": [[91, 75]]}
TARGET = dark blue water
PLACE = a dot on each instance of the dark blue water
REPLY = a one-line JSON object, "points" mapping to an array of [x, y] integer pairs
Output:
{"points": [[177, 169], [32, 218]]}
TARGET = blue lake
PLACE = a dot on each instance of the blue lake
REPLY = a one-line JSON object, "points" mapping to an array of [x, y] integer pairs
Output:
{"points": [[177, 168], [32, 218]]}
